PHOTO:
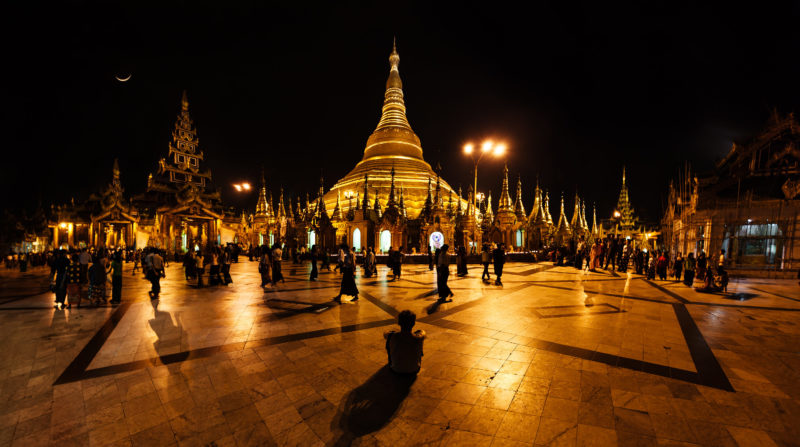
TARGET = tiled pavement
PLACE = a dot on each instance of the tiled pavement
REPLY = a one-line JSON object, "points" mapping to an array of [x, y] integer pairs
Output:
{"points": [[554, 357]]}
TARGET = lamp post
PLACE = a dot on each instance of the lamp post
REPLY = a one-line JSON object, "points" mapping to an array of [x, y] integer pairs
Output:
{"points": [[488, 146]]}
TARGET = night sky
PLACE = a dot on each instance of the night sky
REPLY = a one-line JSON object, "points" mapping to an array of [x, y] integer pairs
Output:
{"points": [[575, 90]]}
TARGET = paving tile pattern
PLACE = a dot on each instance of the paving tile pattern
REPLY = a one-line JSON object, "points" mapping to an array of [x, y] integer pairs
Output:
{"points": [[554, 357]]}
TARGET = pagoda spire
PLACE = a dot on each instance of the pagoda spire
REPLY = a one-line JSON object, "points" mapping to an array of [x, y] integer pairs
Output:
{"points": [[321, 200], [470, 213], [429, 199], [271, 208], [337, 212], [584, 223], [489, 214], [627, 220], [547, 207], [519, 208], [594, 221], [450, 210], [262, 209], [563, 225], [393, 127], [281, 208], [402, 204], [459, 210], [115, 175], [377, 205], [438, 198], [365, 199], [576, 213], [505, 203]]}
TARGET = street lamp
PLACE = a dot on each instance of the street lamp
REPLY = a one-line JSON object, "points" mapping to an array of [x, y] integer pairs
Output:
{"points": [[239, 187], [487, 147]]}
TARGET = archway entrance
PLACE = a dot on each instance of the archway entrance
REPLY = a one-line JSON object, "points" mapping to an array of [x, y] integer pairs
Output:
{"points": [[357, 239], [386, 240]]}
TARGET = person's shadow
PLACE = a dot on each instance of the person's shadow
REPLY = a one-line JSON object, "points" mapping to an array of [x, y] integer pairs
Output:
{"points": [[168, 343], [371, 406]]}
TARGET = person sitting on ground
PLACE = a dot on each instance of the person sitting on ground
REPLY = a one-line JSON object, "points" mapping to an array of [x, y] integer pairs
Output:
{"points": [[404, 348]]}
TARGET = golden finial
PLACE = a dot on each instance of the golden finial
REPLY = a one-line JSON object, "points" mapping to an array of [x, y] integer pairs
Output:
{"points": [[184, 101], [394, 58]]}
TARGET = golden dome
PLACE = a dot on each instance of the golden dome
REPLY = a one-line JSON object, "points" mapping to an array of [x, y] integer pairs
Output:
{"points": [[393, 144]]}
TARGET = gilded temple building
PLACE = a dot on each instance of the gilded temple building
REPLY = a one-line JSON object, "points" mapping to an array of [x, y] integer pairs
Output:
{"points": [[748, 205]]}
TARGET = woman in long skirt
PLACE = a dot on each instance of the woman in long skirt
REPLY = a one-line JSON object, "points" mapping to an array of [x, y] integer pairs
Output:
{"points": [[442, 273], [265, 268], [313, 255], [369, 262], [462, 261], [348, 286], [277, 255]]}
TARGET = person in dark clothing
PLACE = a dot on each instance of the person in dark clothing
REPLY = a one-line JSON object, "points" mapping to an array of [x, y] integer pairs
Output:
{"points": [[60, 266], [678, 267], [430, 258], [348, 285], [314, 254], [688, 273], [461, 261], [611, 255], [499, 258], [225, 266], [396, 257], [116, 279], [442, 273]]}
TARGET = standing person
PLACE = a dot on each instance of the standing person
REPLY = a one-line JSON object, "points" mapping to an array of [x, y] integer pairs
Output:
{"points": [[611, 256], [325, 262], [199, 267], [580, 253], [97, 278], [155, 274], [442, 273], [499, 258], [84, 259], [461, 261], [369, 262], [594, 256], [116, 279], [651, 267], [188, 265], [721, 262], [313, 254], [226, 266], [661, 265], [397, 263], [213, 272], [277, 255], [348, 285], [60, 265], [137, 258], [625, 256], [702, 264], [265, 267], [678, 266], [74, 292], [486, 258], [430, 258]]}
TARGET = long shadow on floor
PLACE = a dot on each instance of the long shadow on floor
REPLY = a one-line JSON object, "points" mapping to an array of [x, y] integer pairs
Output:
{"points": [[371, 406]]}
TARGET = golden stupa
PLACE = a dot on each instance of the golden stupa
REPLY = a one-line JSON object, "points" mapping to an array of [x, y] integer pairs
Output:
{"points": [[392, 145]]}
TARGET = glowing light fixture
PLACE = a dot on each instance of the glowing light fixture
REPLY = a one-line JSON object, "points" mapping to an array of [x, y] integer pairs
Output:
{"points": [[468, 148], [63, 225], [617, 214], [237, 187], [487, 145], [246, 186], [499, 149]]}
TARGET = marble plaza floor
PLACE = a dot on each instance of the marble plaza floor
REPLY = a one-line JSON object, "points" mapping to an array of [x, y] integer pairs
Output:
{"points": [[553, 357]]}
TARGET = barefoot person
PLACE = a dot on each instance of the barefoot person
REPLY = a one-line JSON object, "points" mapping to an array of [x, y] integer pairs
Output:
{"points": [[442, 273]]}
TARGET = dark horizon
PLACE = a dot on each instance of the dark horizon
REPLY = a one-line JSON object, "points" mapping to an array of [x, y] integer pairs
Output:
{"points": [[576, 93]]}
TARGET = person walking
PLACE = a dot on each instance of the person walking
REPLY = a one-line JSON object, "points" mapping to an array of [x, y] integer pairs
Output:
{"points": [[499, 259], [265, 268], [611, 256], [348, 285], [340, 259], [116, 279], [461, 261], [60, 265], [430, 258], [396, 257], [442, 273], [225, 266], [155, 274], [702, 265], [137, 259], [199, 267], [277, 255], [486, 258], [677, 267], [213, 271], [688, 272], [313, 254]]}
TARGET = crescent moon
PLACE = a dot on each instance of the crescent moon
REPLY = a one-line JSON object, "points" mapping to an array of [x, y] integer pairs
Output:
{"points": [[123, 79]]}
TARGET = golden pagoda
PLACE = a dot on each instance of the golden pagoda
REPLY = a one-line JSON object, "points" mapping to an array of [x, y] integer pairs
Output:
{"points": [[393, 145]]}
